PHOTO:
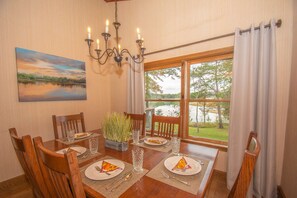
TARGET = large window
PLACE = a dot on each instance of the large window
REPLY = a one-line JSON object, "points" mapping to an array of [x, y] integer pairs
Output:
{"points": [[197, 88]]}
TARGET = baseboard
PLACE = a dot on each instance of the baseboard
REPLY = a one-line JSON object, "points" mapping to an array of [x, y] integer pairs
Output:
{"points": [[280, 192], [4, 185]]}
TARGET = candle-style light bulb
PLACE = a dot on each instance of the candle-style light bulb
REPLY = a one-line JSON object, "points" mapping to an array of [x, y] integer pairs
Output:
{"points": [[89, 33], [119, 47], [106, 27], [98, 44], [138, 33]]}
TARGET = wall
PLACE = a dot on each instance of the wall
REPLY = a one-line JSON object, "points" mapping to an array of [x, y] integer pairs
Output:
{"points": [[169, 23], [55, 27], [59, 28], [289, 174]]}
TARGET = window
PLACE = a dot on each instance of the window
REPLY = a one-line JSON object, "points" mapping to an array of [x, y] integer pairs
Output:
{"points": [[198, 88]]}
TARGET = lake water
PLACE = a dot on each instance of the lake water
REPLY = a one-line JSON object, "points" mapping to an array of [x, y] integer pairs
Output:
{"points": [[169, 110], [42, 91]]}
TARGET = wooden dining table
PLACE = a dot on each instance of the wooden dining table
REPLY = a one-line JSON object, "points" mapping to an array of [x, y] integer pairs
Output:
{"points": [[146, 186]]}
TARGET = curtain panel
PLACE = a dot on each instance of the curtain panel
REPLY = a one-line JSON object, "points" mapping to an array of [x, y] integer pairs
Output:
{"points": [[135, 88], [253, 107]]}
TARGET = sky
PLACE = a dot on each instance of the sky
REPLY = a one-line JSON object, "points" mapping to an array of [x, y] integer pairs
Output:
{"points": [[170, 86], [32, 62]]}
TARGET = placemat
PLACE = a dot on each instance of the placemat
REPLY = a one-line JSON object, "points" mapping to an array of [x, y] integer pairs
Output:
{"points": [[194, 180], [87, 156], [162, 148], [65, 141], [101, 185]]}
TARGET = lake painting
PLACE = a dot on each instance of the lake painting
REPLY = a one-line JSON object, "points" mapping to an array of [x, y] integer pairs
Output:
{"points": [[43, 77]]}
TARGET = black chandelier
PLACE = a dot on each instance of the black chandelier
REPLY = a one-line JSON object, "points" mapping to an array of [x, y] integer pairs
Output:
{"points": [[116, 51]]}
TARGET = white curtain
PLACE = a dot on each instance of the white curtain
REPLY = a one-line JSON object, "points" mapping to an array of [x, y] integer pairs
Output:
{"points": [[253, 107], [135, 88]]}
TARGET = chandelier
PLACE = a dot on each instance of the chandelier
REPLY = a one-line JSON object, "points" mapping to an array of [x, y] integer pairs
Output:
{"points": [[116, 51]]}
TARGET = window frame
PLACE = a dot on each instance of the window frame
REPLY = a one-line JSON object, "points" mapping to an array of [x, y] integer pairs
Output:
{"points": [[185, 62]]}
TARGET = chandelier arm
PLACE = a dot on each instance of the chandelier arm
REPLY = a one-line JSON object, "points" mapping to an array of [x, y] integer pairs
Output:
{"points": [[90, 53], [141, 58], [109, 52]]}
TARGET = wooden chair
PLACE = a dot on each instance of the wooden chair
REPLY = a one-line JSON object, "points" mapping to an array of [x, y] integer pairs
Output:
{"points": [[166, 127], [243, 180], [61, 172], [27, 157], [138, 122], [68, 122]]}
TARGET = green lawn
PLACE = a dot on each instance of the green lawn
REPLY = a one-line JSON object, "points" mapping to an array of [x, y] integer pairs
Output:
{"points": [[211, 133]]}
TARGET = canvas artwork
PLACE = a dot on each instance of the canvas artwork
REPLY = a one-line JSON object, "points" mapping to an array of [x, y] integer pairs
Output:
{"points": [[43, 77]]}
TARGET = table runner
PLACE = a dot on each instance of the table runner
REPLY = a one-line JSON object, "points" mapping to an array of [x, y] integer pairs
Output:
{"points": [[99, 186], [194, 180], [162, 148], [65, 141]]}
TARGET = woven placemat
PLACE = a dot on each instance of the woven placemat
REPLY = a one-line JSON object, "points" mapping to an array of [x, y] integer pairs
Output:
{"points": [[87, 156], [162, 148], [101, 185], [65, 141], [194, 180]]}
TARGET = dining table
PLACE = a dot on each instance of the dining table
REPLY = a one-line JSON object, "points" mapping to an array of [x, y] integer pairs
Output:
{"points": [[147, 186]]}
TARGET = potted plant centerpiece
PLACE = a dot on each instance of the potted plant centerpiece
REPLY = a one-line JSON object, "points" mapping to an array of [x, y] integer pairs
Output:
{"points": [[116, 129]]}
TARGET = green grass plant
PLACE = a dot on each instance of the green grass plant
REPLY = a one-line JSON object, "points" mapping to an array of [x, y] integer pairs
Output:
{"points": [[210, 133], [117, 127]]}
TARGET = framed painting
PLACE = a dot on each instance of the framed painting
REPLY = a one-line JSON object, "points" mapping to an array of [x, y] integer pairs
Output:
{"points": [[44, 77]]}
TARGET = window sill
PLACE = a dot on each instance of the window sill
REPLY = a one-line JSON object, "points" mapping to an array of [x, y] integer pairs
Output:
{"points": [[208, 144]]}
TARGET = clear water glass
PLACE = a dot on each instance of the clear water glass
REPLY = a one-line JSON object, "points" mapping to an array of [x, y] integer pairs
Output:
{"points": [[175, 142], [93, 145], [135, 136], [70, 135], [137, 158]]}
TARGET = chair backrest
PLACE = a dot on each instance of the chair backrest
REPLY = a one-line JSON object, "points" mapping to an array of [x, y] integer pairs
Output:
{"points": [[61, 172], [242, 182], [138, 121], [27, 157], [164, 126], [68, 122]]}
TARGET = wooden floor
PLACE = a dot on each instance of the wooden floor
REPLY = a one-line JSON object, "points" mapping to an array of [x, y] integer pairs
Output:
{"points": [[19, 188]]}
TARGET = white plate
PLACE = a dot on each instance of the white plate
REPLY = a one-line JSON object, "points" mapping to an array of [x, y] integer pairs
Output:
{"points": [[147, 141], [94, 174], [81, 135], [80, 150], [170, 163]]}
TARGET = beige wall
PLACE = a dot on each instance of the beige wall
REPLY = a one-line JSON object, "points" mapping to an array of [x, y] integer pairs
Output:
{"points": [[54, 27], [289, 174], [168, 23], [59, 28]]}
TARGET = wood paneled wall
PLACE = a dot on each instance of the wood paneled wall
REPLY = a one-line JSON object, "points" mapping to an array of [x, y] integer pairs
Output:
{"points": [[54, 27], [168, 23], [289, 174]]}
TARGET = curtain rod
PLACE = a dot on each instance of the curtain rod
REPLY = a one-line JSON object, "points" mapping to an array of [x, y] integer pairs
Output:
{"points": [[278, 24]]}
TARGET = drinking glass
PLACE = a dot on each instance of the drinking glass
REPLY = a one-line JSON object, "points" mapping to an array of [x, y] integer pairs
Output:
{"points": [[135, 136], [175, 142], [70, 135], [137, 158], [93, 145]]}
